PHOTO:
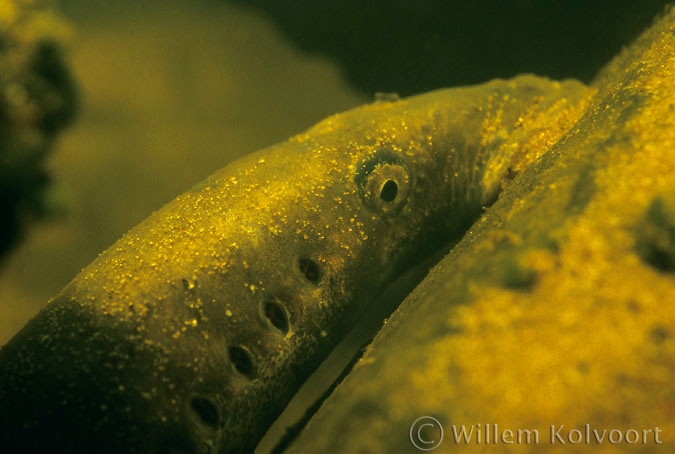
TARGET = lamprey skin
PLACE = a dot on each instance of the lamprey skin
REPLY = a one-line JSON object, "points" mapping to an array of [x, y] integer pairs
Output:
{"points": [[193, 331]]}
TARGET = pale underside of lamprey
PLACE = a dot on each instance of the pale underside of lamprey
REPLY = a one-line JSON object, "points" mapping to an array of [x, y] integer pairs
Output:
{"points": [[192, 332]]}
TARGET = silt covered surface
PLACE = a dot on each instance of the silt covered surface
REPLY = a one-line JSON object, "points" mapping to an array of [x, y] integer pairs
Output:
{"points": [[556, 307]]}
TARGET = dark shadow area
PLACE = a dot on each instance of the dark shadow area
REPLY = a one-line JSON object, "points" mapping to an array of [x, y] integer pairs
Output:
{"points": [[413, 46]]}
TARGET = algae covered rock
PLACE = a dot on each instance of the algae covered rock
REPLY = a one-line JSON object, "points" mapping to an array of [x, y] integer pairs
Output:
{"points": [[37, 99], [552, 322]]}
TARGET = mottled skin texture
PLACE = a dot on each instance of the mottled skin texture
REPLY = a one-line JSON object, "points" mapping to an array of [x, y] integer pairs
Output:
{"points": [[193, 331]]}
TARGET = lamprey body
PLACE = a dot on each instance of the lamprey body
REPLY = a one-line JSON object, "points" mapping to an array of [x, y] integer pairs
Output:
{"points": [[193, 331]]}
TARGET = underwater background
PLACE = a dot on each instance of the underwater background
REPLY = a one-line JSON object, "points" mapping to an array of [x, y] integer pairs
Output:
{"points": [[170, 91]]}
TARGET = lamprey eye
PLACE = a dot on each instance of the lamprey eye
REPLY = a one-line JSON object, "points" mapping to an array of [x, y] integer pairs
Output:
{"points": [[384, 183], [389, 191]]}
